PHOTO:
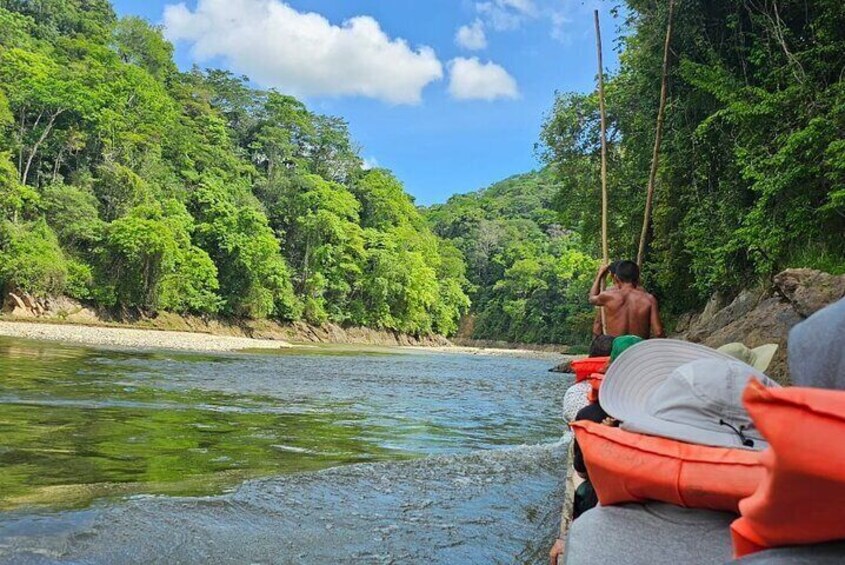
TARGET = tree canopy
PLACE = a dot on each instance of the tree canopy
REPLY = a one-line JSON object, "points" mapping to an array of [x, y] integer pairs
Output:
{"points": [[131, 184], [529, 273], [751, 173]]}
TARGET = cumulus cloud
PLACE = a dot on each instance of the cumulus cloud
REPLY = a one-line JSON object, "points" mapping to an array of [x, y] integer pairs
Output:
{"points": [[303, 53], [472, 36], [470, 79]]}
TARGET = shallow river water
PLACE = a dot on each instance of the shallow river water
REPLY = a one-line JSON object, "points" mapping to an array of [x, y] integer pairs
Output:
{"points": [[308, 456]]}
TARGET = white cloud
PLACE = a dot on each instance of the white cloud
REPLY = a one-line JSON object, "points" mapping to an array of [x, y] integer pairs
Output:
{"points": [[472, 36], [559, 15], [369, 163], [470, 79], [503, 15], [560, 24], [569, 19], [303, 53]]}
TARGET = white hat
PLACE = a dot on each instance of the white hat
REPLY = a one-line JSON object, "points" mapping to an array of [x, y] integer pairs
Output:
{"points": [[682, 391]]}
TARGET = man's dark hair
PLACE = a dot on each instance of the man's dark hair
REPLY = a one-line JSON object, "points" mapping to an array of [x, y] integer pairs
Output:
{"points": [[628, 272], [613, 267], [601, 346]]}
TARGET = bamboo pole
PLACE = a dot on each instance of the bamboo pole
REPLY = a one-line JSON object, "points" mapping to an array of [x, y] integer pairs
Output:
{"points": [[658, 138], [604, 247]]}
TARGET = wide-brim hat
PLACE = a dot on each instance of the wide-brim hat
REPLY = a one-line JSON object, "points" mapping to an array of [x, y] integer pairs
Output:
{"points": [[682, 391], [758, 357]]}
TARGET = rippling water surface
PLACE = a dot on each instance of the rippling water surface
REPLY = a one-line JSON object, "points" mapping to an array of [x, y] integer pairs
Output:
{"points": [[308, 456]]}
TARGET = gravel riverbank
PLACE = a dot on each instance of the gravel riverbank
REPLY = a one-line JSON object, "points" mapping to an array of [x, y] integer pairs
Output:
{"points": [[132, 338]]}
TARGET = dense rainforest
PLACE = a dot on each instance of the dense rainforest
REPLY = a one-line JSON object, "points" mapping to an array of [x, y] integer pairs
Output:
{"points": [[530, 277], [751, 177], [130, 184], [752, 169]]}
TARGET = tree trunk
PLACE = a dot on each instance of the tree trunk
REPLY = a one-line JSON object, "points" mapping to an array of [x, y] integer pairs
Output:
{"points": [[57, 164], [47, 129], [658, 137]]}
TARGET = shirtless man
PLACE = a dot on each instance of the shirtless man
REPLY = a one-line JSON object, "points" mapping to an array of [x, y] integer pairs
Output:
{"points": [[629, 309]]}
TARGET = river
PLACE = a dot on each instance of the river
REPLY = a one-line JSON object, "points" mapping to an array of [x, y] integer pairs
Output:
{"points": [[318, 455]]}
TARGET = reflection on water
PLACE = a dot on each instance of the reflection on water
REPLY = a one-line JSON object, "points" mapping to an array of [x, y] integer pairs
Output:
{"points": [[191, 424], [80, 425]]}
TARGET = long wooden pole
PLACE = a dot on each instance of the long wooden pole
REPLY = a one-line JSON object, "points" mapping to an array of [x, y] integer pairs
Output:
{"points": [[658, 138], [604, 247]]}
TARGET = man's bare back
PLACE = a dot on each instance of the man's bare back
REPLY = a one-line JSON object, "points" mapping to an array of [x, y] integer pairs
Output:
{"points": [[629, 310]]}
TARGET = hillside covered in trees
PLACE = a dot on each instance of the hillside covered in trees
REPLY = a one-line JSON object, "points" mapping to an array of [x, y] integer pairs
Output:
{"points": [[128, 183], [530, 277], [751, 178], [752, 171]]}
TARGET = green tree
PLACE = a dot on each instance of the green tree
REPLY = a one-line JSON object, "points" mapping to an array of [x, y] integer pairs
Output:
{"points": [[139, 43], [149, 255], [750, 179], [74, 215], [254, 278], [154, 189], [31, 259], [324, 244]]}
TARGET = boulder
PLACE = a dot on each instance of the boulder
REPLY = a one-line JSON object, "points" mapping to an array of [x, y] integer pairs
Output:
{"points": [[564, 367], [808, 290], [685, 322], [765, 315], [15, 307], [14, 301], [700, 329], [769, 322]]}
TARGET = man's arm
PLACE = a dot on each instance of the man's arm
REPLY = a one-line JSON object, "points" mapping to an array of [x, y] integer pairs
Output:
{"points": [[597, 297], [655, 322]]}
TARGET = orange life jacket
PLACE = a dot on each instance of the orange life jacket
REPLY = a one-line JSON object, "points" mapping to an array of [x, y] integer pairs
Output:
{"points": [[631, 467], [595, 384], [801, 499], [583, 368]]}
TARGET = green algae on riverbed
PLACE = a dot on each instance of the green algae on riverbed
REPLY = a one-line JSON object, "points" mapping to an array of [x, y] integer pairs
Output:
{"points": [[80, 424], [66, 418]]}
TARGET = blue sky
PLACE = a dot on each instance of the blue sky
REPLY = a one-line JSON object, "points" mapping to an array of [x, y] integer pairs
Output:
{"points": [[447, 116]]}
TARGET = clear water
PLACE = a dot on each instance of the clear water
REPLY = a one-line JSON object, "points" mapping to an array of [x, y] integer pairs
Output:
{"points": [[366, 456]]}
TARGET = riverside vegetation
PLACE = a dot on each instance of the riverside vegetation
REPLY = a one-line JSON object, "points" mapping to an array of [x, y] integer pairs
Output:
{"points": [[752, 170], [132, 185], [751, 181]]}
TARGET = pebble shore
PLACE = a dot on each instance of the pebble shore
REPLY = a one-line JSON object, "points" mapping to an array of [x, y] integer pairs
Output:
{"points": [[132, 338]]}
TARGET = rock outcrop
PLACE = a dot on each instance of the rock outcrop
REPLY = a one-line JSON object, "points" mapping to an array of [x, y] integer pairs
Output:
{"points": [[562, 367], [764, 315], [24, 305]]}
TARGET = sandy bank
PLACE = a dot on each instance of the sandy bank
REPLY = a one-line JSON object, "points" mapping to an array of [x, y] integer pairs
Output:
{"points": [[99, 336], [132, 338], [498, 352]]}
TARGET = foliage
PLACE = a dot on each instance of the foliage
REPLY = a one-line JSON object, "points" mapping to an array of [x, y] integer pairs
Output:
{"points": [[144, 187], [530, 276], [751, 177], [31, 259], [254, 278]]}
